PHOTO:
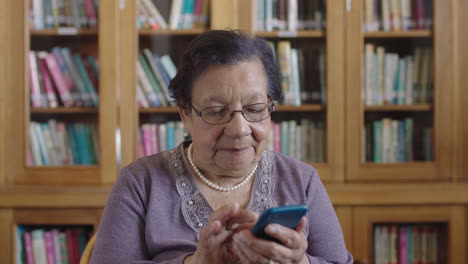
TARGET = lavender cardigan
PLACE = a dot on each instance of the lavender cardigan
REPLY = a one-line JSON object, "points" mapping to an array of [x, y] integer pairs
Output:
{"points": [[155, 210]]}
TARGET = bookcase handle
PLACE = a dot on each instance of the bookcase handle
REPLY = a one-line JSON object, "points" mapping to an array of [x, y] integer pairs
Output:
{"points": [[349, 4]]}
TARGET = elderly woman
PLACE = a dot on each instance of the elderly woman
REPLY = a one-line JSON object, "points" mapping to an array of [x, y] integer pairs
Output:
{"points": [[197, 203]]}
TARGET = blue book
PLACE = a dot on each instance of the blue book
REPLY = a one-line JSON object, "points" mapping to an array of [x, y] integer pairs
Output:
{"points": [[20, 249], [165, 75], [83, 144], [377, 136], [401, 141], [73, 143], [396, 82], [170, 135], [410, 244]]}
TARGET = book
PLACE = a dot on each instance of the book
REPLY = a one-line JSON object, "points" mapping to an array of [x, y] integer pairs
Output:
{"points": [[39, 247], [28, 245]]}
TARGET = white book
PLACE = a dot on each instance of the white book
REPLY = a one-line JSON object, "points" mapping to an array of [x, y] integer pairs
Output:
{"points": [[385, 6], [401, 81], [368, 15], [41, 142], [386, 142], [380, 75], [409, 81], [176, 10], [34, 146], [49, 145], [269, 15], [292, 15], [38, 13], [378, 245], [146, 85], [38, 244], [57, 150], [299, 142], [369, 68], [394, 141], [162, 137], [294, 80], [153, 10], [169, 66], [260, 19], [141, 98], [405, 14]]}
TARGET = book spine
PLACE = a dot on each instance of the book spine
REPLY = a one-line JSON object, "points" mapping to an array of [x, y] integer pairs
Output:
{"points": [[59, 81], [39, 248], [51, 99], [49, 245], [91, 13], [29, 248], [35, 92]]}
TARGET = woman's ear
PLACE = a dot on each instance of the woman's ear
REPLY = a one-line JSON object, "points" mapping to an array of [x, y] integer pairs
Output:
{"points": [[185, 118]]}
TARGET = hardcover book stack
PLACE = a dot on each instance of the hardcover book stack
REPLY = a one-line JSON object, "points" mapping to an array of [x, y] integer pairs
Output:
{"points": [[154, 74], [290, 15], [406, 244], [62, 78], [304, 140], [396, 141], [393, 79], [56, 143], [397, 15], [51, 245], [303, 73], [50, 14], [183, 14]]}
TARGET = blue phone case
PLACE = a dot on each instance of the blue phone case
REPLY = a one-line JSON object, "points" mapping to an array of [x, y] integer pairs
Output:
{"points": [[288, 216]]}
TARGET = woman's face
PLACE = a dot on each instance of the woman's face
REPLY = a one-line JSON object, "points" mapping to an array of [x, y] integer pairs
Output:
{"points": [[235, 147]]}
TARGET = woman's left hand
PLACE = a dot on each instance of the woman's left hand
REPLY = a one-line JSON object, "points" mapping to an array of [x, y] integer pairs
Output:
{"points": [[251, 249]]}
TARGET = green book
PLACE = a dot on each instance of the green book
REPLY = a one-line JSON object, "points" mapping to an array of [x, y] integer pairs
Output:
{"points": [[152, 80]]}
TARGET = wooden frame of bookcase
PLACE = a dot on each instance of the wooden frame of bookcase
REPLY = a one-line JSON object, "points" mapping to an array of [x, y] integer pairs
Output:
{"points": [[19, 109], [4, 27], [440, 169], [364, 217]]}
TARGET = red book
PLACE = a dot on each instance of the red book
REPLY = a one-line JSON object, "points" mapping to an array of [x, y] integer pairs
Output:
{"points": [[49, 245], [90, 13], [28, 247], [51, 99], [60, 83], [403, 245], [70, 247]]}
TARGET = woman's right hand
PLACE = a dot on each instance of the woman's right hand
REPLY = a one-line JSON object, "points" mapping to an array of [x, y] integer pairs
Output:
{"points": [[215, 237]]}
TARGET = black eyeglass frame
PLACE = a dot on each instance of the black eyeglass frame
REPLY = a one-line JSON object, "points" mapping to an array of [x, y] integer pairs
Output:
{"points": [[271, 108]]}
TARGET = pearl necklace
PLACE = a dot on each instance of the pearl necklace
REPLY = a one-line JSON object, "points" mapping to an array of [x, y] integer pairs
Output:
{"points": [[214, 185]]}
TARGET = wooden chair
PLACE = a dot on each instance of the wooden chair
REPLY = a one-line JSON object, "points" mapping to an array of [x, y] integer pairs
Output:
{"points": [[86, 257]]}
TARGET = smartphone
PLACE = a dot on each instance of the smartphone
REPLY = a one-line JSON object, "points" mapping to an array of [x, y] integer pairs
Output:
{"points": [[288, 216]]}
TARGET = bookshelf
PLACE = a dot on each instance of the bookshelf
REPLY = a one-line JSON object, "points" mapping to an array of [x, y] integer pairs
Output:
{"points": [[448, 218], [436, 114], [364, 193]]}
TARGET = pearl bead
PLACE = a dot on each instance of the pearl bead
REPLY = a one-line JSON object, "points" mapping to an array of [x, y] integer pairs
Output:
{"points": [[213, 185]]}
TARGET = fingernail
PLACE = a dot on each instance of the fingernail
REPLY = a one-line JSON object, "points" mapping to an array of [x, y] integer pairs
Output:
{"points": [[272, 229]]}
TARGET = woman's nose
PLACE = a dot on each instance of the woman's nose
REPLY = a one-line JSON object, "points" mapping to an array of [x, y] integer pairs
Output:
{"points": [[238, 126]]}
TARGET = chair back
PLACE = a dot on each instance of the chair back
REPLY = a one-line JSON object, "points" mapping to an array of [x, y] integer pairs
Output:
{"points": [[86, 257]]}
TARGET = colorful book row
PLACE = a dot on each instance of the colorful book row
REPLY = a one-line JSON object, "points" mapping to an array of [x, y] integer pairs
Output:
{"points": [[304, 140], [290, 15], [397, 15], [49, 14], [397, 141], [62, 78], [393, 79], [184, 14], [58, 144], [51, 245], [406, 244], [302, 73], [154, 138], [154, 74]]}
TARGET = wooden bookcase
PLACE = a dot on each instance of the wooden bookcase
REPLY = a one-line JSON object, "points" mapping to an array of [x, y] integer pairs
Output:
{"points": [[440, 111], [363, 193], [452, 216]]}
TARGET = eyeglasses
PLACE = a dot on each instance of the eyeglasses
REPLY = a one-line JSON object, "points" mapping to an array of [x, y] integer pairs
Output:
{"points": [[219, 115]]}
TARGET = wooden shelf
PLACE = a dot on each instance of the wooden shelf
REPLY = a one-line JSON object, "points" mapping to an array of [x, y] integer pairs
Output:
{"points": [[64, 110], [291, 34], [399, 34], [64, 32], [416, 164], [183, 32], [301, 108], [396, 108]]}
